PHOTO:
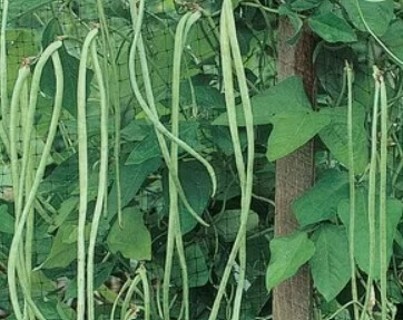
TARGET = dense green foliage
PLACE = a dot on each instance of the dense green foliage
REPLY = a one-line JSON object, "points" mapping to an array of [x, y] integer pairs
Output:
{"points": [[359, 164]]}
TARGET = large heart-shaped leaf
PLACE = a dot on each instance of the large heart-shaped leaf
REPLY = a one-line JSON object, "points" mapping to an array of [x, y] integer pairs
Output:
{"points": [[64, 247], [320, 203], [198, 272], [287, 96], [196, 184], [131, 179], [335, 136], [392, 38], [227, 223], [292, 130], [332, 28], [132, 239], [377, 15], [288, 254], [330, 265]]}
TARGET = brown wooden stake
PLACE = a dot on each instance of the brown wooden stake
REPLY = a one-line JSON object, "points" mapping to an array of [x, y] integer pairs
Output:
{"points": [[292, 300]]}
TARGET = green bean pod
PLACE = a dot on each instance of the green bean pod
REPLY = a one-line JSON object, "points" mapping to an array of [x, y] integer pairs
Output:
{"points": [[83, 172]]}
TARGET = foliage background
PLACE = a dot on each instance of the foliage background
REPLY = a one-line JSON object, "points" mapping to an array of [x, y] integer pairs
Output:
{"points": [[278, 113]]}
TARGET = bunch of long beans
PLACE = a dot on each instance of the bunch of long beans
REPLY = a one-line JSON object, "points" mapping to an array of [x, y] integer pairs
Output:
{"points": [[25, 197]]}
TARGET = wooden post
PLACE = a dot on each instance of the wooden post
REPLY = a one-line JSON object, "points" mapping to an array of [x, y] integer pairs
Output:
{"points": [[292, 300]]}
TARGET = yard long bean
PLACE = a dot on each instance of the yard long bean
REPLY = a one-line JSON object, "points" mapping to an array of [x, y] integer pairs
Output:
{"points": [[125, 310], [51, 50], [83, 171], [102, 180], [21, 82], [175, 188], [3, 66], [351, 174], [372, 198], [151, 112], [230, 53], [142, 272], [174, 229], [112, 87], [383, 246], [248, 182]]}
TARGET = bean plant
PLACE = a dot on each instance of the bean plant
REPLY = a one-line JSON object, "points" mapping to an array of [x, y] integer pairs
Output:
{"points": [[138, 148]]}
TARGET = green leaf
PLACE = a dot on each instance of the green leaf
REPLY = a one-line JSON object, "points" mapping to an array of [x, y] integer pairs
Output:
{"points": [[132, 240], [227, 223], [392, 38], [196, 184], [70, 65], [330, 265], [295, 20], [320, 202], [332, 28], [377, 15], [198, 272], [333, 58], [65, 312], [64, 247], [288, 254], [292, 130], [335, 136], [19, 7], [287, 96], [7, 220], [5, 175], [136, 130], [207, 97], [302, 5], [149, 147], [361, 230], [131, 179], [144, 150], [221, 137]]}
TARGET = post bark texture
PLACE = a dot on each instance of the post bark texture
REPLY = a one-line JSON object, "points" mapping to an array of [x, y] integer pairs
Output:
{"points": [[292, 300]]}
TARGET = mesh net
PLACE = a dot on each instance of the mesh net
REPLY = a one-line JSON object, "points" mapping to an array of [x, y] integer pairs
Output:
{"points": [[49, 243]]}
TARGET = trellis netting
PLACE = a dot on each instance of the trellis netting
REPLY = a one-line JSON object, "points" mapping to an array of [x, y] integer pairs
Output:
{"points": [[120, 198], [135, 181]]}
